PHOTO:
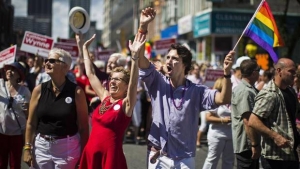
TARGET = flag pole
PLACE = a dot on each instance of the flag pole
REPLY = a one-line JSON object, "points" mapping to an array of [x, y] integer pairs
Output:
{"points": [[258, 8]]}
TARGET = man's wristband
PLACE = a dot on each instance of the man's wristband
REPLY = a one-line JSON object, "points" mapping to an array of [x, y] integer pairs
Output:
{"points": [[227, 76], [256, 145], [142, 31]]}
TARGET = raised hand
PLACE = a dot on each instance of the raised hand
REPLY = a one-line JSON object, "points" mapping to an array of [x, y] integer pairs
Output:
{"points": [[78, 37], [86, 46], [228, 61], [138, 42], [147, 15]]}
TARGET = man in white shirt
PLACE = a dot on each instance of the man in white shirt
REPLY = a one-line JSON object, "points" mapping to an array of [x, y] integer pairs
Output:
{"points": [[237, 75]]}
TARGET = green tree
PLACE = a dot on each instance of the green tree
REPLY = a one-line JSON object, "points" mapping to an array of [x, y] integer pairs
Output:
{"points": [[290, 38]]}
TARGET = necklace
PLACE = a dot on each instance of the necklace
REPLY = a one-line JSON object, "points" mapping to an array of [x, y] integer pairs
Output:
{"points": [[104, 107], [181, 99], [58, 89]]}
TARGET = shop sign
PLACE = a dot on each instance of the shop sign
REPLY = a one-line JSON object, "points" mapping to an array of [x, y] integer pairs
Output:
{"points": [[202, 25], [229, 22], [185, 24]]}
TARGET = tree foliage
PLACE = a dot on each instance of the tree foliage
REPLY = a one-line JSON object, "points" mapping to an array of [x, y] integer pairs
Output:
{"points": [[290, 38]]}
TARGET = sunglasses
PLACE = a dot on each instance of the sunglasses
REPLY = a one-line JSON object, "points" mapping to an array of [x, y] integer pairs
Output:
{"points": [[52, 61], [10, 101]]}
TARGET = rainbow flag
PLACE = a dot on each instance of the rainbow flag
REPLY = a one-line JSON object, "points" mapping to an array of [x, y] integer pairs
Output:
{"points": [[263, 30]]}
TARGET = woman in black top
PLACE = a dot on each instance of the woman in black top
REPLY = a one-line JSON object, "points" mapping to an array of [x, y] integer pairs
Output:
{"points": [[57, 113]]}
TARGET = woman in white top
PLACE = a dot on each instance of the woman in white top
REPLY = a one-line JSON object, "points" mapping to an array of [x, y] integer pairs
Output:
{"points": [[14, 99], [219, 136]]}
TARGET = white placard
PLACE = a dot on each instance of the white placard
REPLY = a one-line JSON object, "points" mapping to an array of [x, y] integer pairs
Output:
{"points": [[7, 56], [33, 43]]}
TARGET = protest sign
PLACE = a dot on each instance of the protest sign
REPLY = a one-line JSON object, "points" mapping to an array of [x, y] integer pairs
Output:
{"points": [[211, 75], [33, 43], [7, 56], [103, 55], [69, 47], [162, 46]]}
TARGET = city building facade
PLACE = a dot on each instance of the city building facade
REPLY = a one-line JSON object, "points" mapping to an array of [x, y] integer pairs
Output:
{"points": [[210, 28], [6, 26], [41, 11]]}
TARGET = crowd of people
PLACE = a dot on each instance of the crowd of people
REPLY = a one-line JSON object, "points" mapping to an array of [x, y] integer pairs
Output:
{"points": [[48, 108]]}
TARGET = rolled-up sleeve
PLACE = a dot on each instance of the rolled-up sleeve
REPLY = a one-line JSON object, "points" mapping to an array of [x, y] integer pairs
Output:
{"points": [[245, 102], [264, 104], [208, 101]]}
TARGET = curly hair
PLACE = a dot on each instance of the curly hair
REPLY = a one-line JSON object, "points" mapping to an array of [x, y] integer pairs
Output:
{"points": [[124, 71], [185, 55]]}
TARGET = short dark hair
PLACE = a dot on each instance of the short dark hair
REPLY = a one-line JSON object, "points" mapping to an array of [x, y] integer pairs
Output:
{"points": [[185, 55], [247, 67], [269, 73]]}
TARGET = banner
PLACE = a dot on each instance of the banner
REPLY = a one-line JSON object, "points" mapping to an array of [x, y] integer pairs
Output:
{"points": [[211, 75], [67, 40], [103, 55], [69, 47], [162, 46], [33, 42], [7, 56]]}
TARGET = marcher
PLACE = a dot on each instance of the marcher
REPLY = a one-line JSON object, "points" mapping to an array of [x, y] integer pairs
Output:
{"points": [[219, 136], [202, 128], [110, 119], [14, 99], [57, 126], [245, 139], [274, 116], [266, 78], [296, 87], [176, 104], [194, 75], [237, 76]]}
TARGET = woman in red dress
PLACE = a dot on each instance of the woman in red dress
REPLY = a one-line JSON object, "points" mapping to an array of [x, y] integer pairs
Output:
{"points": [[112, 117]]}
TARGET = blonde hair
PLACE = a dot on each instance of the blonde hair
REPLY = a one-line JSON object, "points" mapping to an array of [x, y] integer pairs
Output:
{"points": [[64, 56], [124, 71], [218, 84]]}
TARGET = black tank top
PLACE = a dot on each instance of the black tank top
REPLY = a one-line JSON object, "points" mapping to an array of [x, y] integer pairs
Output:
{"points": [[57, 116]]}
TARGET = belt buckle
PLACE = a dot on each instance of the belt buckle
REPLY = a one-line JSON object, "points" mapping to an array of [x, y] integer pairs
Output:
{"points": [[49, 138]]}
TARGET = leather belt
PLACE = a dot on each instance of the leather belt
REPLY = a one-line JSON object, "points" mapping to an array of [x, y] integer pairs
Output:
{"points": [[157, 151], [53, 138]]}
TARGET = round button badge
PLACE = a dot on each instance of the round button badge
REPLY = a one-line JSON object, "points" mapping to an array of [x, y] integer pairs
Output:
{"points": [[68, 100], [117, 107]]}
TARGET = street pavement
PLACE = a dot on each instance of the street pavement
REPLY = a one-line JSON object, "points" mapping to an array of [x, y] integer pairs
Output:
{"points": [[136, 156]]}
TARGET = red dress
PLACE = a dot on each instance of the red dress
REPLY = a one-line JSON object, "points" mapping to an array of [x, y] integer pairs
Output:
{"points": [[104, 148]]}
